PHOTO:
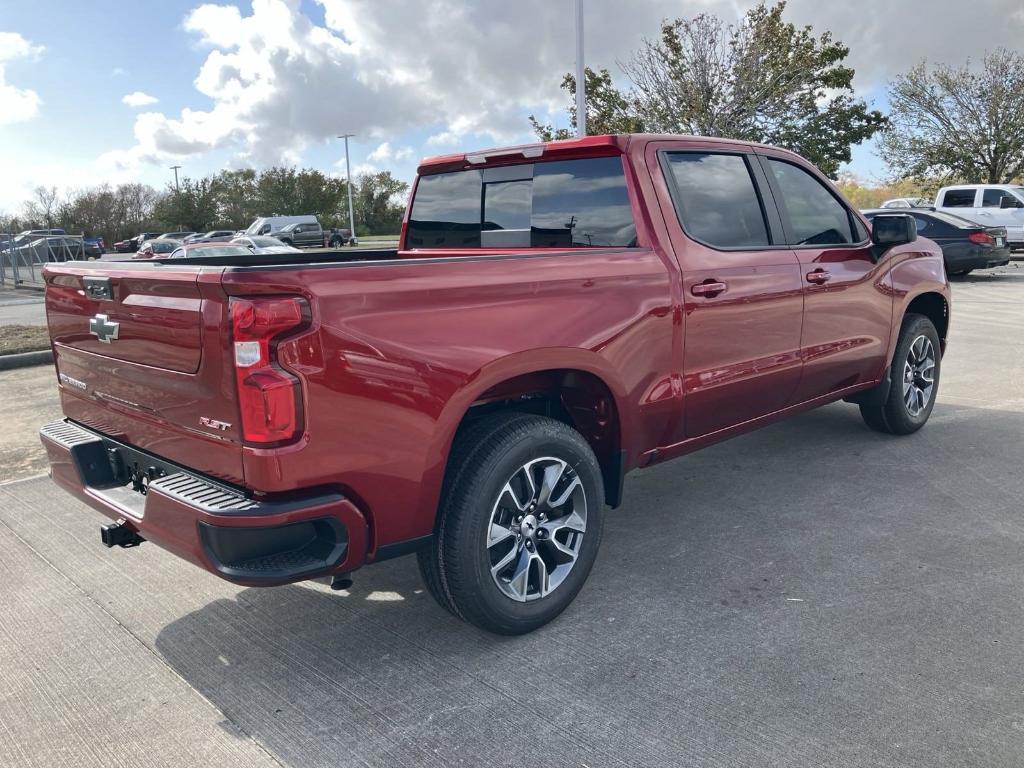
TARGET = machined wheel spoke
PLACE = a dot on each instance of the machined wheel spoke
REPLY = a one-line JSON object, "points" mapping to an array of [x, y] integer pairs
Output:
{"points": [[509, 493], [519, 582], [552, 474], [498, 534], [505, 561]]}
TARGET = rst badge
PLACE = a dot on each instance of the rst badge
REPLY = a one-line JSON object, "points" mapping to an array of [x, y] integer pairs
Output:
{"points": [[103, 329], [206, 421]]}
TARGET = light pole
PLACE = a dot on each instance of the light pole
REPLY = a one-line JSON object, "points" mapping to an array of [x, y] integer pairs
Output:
{"points": [[581, 75], [348, 183], [177, 195]]}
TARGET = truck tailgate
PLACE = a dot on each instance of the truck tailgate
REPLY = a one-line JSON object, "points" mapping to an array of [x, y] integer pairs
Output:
{"points": [[141, 355]]}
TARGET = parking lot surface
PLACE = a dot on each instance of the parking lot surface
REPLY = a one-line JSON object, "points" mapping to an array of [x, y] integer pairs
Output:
{"points": [[21, 307], [811, 594]]}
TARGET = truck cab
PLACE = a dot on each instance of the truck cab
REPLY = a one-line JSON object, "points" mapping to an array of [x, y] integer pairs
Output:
{"points": [[991, 205]]}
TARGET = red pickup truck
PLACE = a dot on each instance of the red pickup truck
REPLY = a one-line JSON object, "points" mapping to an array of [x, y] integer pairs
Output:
{"points": [[555, 316]]}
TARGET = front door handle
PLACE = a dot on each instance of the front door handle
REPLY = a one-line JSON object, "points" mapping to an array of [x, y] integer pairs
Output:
{"points": [[819, 276], [709, 288]]}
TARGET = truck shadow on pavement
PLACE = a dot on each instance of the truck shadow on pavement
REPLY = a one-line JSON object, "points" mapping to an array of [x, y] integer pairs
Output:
{"points": [[809, 592]]}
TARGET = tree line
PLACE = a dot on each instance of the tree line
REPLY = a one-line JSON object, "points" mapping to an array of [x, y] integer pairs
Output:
{"points": [[231, 199], [765, 80]]}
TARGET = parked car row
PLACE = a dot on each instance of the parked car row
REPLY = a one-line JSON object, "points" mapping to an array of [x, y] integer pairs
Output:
{"points": [[976, 225], [52, 248]]}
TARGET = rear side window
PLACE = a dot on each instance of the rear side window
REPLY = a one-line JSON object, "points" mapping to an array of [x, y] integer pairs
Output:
{"points": [[959, 198], [716, 200], [816, 217], [560, 204]]}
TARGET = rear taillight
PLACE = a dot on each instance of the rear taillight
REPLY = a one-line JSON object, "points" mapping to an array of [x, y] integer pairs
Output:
{"points": [[269, 398], [981, 238]]}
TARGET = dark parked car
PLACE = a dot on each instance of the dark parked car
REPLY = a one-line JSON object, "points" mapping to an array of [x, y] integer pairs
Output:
{"points": [[179, 236], [301, 234], [132, 244], [966, 246]]}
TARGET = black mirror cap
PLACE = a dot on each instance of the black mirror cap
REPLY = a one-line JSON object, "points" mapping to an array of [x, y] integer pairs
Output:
{"points": [[889, 229]]}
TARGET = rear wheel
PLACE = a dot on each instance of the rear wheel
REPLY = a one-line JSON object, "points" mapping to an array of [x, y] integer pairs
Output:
{"points": [[914, 374], [961, 273], [520, 523]]}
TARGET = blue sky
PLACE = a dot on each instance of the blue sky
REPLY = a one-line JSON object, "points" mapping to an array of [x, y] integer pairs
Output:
{"points": [[269, 81]]}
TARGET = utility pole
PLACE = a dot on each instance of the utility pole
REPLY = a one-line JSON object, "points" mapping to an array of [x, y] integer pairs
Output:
{"points": [[581, 75], [348, 176], [177, 195]]}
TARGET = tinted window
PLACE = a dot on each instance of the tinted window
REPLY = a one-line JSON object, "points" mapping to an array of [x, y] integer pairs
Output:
{"points": [[581, 203], [446, 211], [921, 223], [958, 198], [507, 213], [815, 216], [716, 200], [557, 204], [993, 197]]}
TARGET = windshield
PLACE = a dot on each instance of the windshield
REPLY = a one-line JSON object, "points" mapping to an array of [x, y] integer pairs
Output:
{"points": [[255, 227], [266, 242], [218, 250]]}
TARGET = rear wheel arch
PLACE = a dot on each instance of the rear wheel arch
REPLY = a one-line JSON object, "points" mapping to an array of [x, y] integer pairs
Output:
{"points": [[579, 396]]}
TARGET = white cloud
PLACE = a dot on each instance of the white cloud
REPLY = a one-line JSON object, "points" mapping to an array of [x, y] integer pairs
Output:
{"points": [[118, 72], [385, 153], [17, 105], [138, 99], [275, 82]]}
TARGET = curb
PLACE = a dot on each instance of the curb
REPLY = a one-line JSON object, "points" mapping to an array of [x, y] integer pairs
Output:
{"points": [[25, 359]]}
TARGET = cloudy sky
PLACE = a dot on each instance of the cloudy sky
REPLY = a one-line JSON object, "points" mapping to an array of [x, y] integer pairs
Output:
{"points": [[116, 90]]}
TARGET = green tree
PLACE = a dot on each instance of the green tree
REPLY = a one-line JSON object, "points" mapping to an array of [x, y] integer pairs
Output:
{"points": [[959, 123], [608, 110], [379, 200], [762, 80]]}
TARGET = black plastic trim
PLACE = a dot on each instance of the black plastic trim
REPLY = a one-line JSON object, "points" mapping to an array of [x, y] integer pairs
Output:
{"points": [[276, 553], [400, 548]]}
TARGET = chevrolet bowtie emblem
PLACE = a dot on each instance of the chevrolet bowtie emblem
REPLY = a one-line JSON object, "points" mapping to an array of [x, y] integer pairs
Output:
{"points": [[104, 330]]}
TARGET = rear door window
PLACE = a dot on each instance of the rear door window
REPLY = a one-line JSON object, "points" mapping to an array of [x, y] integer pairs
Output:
{"points": [[958, 198], [558, 204], [716, 200], [816, 217]]}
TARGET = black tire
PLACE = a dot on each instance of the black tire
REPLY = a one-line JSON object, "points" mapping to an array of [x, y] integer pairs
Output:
{"points": [[961, 273], [904, 413], [489, 455]]}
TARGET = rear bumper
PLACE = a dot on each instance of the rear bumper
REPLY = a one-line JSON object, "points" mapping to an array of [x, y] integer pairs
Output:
{"points": [[241, 539], [977, 257]]}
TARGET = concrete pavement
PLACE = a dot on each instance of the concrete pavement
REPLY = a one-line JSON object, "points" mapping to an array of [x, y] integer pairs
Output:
{"points": [[812, 594]]}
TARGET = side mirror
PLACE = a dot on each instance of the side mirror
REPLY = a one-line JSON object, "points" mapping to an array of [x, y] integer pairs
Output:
{"points": [[891, 229], [1007, 201]]}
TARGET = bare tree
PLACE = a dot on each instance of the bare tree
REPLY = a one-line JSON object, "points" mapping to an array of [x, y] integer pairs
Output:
{"points": [[964, 123], [45, 199]]}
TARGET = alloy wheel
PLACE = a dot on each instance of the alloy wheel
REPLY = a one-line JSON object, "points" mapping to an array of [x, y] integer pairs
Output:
{"points": [[536, 529], [919, 375]]}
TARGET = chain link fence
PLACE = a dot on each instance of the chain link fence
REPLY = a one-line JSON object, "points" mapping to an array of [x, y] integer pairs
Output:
{"points": [[21, 264]]}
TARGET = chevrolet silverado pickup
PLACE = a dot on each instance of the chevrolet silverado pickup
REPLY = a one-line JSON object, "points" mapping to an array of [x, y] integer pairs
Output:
{"points": [[555, 316]]}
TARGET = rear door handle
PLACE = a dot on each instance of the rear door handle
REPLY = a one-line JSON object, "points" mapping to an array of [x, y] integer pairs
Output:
{"points": [[819, 276], [709, 288]]}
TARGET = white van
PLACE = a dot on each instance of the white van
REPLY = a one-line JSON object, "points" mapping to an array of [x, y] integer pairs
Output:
{"points": [[266, 224], [992, 205]]}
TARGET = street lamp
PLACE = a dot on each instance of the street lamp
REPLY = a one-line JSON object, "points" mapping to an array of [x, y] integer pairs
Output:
{"points": [[348, 183], [581, 75], [177, 195]]}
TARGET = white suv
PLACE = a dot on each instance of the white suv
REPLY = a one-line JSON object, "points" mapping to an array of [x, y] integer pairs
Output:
{"points": [[992, 205]]}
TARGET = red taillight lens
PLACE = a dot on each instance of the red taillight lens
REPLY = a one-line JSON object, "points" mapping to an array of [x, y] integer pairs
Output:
{"points": [[268, 397], [981, 238]]}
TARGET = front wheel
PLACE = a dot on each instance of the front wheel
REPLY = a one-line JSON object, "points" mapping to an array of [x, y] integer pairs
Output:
{"points": [[914, 374], [520, 523]]}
